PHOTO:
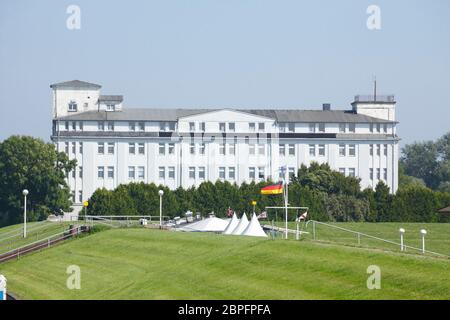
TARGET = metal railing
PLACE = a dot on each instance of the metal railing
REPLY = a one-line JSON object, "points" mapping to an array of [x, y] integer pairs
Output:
{"points": [[373, 98], [361, 234]]}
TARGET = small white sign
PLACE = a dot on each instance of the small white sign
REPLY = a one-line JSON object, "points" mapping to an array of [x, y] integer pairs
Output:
{"points": [[2, 287]]}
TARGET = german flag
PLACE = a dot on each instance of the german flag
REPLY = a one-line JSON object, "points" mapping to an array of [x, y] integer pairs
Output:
{"points": [[273, 189]]}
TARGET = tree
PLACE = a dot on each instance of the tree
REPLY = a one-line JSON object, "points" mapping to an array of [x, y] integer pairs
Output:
{"points": [[30, 163], [383, 202]]}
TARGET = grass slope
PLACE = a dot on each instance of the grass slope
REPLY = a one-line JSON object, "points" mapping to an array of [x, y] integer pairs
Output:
{"points": [[153, 264]]}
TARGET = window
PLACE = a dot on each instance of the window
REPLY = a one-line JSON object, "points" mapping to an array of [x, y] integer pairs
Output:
{"points": [[110, 107], [351, 127], [231, 173], [74, 173], [282, 126], [162, 172], [261, 173], [110, 126], [342, 127], [141, 126], [202, 148], [141, 173], [74, 147], [101, 148], [110, 147], [221, 172], [172, 126], [162, 148], [321, 150], [191, 172], [378, 146], [291, 127], [132, 126], [251, 173], [378, 128], [321, 127], [201, 173], [202, 127], [222, 126], [292, 149], [222, 148], [111, 172], [261, 126], [385, 174], [80, 196], [282, 149], [131, 173], [72, 106], [66, 147], [162, 126], [80, 124], [141, 148], [371, 173], [342, 171], [171, 148], [378, 173], [251, 127], [191, 126], [171, 172], [385, 149], [131, 148], [192, 148], [351, 150], [312, 150], [312, 127], [246, 139], [371, 149], [351, 172], [342, 150], [81, 148], [74, 125], [251, 149], [371, 128], [232, 149], [66, 125], [385, 128], [261, 149], [101, 126], [231, 127], [291, 172], [100, 172], [80, 172]]}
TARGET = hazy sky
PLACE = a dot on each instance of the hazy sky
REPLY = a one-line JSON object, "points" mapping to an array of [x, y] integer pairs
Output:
{"points": [[228, 53]]}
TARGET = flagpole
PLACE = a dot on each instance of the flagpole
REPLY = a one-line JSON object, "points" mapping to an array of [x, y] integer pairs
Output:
{"points": [[286, 203]]}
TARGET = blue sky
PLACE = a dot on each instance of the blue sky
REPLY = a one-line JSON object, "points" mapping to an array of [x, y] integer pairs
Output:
{"points": [[233, 53]]}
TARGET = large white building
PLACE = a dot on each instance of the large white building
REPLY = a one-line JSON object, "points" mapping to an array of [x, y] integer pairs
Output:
{"points": [[114, 145]]}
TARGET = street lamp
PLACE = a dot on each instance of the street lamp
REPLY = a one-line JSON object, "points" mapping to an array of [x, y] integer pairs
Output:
{"points": [[25, 193], [402, 231], [254, 205], [423, 232], [161, 193]]}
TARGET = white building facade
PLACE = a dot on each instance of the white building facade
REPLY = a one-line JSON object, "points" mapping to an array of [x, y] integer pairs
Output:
{"points": [[114, 145]]}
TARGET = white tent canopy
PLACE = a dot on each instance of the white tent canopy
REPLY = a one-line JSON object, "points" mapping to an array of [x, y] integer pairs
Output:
{"points": [[212, 224], [243, 223], [232, 225], [254, 228]]}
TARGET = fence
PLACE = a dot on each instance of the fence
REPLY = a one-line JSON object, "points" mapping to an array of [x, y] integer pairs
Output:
{"points": [[359, 235], [120, 221]]}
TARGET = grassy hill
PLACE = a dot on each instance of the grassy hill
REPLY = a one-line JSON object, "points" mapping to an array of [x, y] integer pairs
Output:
{"points": [[153, 264]]}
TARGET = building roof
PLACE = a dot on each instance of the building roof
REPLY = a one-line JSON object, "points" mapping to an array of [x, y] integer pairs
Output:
{"points": [[168, 114], [444, 210], [77, 84], [111, 98]]}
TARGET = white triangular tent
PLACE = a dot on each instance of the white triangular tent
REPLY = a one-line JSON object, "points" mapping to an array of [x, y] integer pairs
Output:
{"points": [[254, 228], [232, 225], [243, 223], [212, 224]]}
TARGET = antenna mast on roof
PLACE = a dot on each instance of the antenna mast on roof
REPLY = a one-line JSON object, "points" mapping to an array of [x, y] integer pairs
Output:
{"points": [[374, 88]]}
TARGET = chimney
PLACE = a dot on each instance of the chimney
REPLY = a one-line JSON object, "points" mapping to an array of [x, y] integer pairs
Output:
{"points": [[326, 107]]}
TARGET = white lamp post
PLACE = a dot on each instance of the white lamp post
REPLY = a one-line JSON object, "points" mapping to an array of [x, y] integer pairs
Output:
{"points": [[402, 231], [25, 193], [423, 232], [161, 193]]}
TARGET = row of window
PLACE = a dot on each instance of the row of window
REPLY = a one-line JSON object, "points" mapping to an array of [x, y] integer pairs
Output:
{"points": [[377, 148], [74, 147], [378, 174]]}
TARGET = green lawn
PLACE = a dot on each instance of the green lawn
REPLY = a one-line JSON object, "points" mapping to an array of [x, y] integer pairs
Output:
{"points": [[153, 264], [437, 238]]}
